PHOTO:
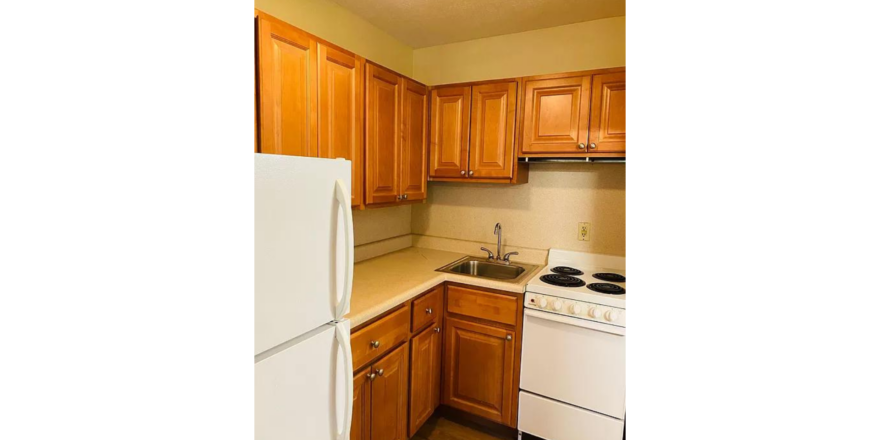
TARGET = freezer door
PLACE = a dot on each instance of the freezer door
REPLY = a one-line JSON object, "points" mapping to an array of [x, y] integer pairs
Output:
{"points": [[304, 391], [303, 245]]}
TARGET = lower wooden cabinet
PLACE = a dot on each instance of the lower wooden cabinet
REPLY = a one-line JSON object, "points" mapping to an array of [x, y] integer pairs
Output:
{"points": [[360, 417], [379, 407], [478, 371], [424, 390]]}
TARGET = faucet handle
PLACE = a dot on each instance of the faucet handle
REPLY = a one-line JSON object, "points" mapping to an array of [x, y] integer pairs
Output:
{"points": [[491, 255], [507, 256]]}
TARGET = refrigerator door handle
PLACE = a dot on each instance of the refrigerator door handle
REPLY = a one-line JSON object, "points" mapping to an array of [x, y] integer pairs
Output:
{"points": [[343, 335], [344, 199]]}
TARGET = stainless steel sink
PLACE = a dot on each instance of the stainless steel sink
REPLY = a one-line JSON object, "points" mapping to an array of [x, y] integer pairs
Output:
{"points": [[484, 268]]}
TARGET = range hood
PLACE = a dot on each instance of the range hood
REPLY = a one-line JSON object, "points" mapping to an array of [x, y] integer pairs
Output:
{"points": [[572, 159]]}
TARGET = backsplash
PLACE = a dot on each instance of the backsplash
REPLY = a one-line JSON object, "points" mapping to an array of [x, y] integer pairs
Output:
{"points": [[536, 216]]}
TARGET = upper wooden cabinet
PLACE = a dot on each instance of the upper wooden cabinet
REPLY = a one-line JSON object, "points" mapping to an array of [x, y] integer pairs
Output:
{"points": [[287, 66], [311, 98], [556, 115], [608, 113], [473, 132], [341, 111], [450, 129], [574, 114], [396, 145]]}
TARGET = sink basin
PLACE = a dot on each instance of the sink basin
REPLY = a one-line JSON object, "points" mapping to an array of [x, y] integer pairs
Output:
{"points": [[483, 268]]}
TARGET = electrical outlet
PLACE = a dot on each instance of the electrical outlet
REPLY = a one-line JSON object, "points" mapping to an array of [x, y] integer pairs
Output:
{"points": [[584, 231]]}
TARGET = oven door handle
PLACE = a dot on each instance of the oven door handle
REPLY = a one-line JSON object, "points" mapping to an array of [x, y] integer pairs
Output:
{"points": [[607, 328]]}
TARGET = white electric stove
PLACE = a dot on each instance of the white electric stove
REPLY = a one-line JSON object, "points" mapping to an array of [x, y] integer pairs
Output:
{"points": [[573, 378]]}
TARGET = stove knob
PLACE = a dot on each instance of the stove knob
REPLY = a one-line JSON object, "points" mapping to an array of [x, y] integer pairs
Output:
{"points": [[557, 305], [542, 302], [575, 309], [594, 312], [611, 316]]}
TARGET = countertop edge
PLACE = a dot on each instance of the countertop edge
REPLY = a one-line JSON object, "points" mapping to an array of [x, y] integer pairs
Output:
{"points": [[441, 277]]}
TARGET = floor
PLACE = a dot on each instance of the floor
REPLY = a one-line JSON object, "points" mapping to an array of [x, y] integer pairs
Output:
{"points": [[439, 427]]}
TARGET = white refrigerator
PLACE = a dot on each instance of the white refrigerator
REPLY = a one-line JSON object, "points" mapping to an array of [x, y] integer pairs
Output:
{"points": [[303, 264]]}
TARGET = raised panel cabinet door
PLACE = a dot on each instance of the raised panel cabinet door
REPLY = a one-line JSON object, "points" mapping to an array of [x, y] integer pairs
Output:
{"points": [[287, 64], [360, 417], [478, 369], [450, 129], [388, 396], [424, 391], [414, 142], [608, 113], [493, 115], [383, 140], [340, 112], [556, 115]]}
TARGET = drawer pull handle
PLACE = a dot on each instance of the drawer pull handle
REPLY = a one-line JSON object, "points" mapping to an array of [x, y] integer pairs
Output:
{"points": [[429, 310], [374, 344], [437, 329], [509, 337], [381, 372]]}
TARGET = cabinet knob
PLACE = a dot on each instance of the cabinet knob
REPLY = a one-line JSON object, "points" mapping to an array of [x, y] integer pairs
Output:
{"points": [[509, 337], [398, 197], [462, 172], [374, 344], [470, 173], [381, 372], [429, 310], [592, 146], [371, 376], [436, 329], [405, 196], [582, 146]]}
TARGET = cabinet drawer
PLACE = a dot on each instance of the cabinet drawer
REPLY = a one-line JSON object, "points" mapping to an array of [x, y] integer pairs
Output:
{"points": [[427, 308], [379, 337], [479, 304]]}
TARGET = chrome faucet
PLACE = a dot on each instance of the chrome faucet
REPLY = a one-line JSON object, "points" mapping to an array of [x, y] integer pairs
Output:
{"points": [[497, 256], [498, 233]]}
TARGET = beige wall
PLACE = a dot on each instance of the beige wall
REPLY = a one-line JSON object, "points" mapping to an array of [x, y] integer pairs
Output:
{"points": [[541, 214], [339, 26], [581, 46]]}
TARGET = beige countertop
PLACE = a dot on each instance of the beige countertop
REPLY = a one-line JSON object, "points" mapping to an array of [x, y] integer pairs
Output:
{"points": [[382, 283]]}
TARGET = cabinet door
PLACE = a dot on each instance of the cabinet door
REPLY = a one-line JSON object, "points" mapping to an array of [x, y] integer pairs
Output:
{"points": [[608, 113], [478, 369], [450, 119], [413, 157], [360, 417], [424, 392], [388, 396], [340, 111], [556, 115], [492, 120], [287, 63], [382, 143]]}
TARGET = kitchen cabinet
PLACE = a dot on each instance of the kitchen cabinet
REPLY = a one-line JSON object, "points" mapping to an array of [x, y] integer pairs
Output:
{"points": [[388, 396], [481, 352], [287, 64], [608, 113], [574, 114], [360, 417], [396, 121], [310, 98], [379, 408], [425, 355], [473, 133]]}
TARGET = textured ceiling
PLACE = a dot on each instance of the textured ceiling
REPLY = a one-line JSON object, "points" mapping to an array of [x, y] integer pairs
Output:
{"points": [[423, 23]]}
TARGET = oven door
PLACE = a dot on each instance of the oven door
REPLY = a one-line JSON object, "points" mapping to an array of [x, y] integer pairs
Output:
{"points": [[575, 361]]}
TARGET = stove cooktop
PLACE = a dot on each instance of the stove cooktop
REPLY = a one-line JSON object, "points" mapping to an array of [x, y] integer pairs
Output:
{"points": [[582, 277]]}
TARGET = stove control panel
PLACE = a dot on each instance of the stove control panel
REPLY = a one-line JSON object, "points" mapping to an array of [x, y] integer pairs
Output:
{"points": [[576, 309]]}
